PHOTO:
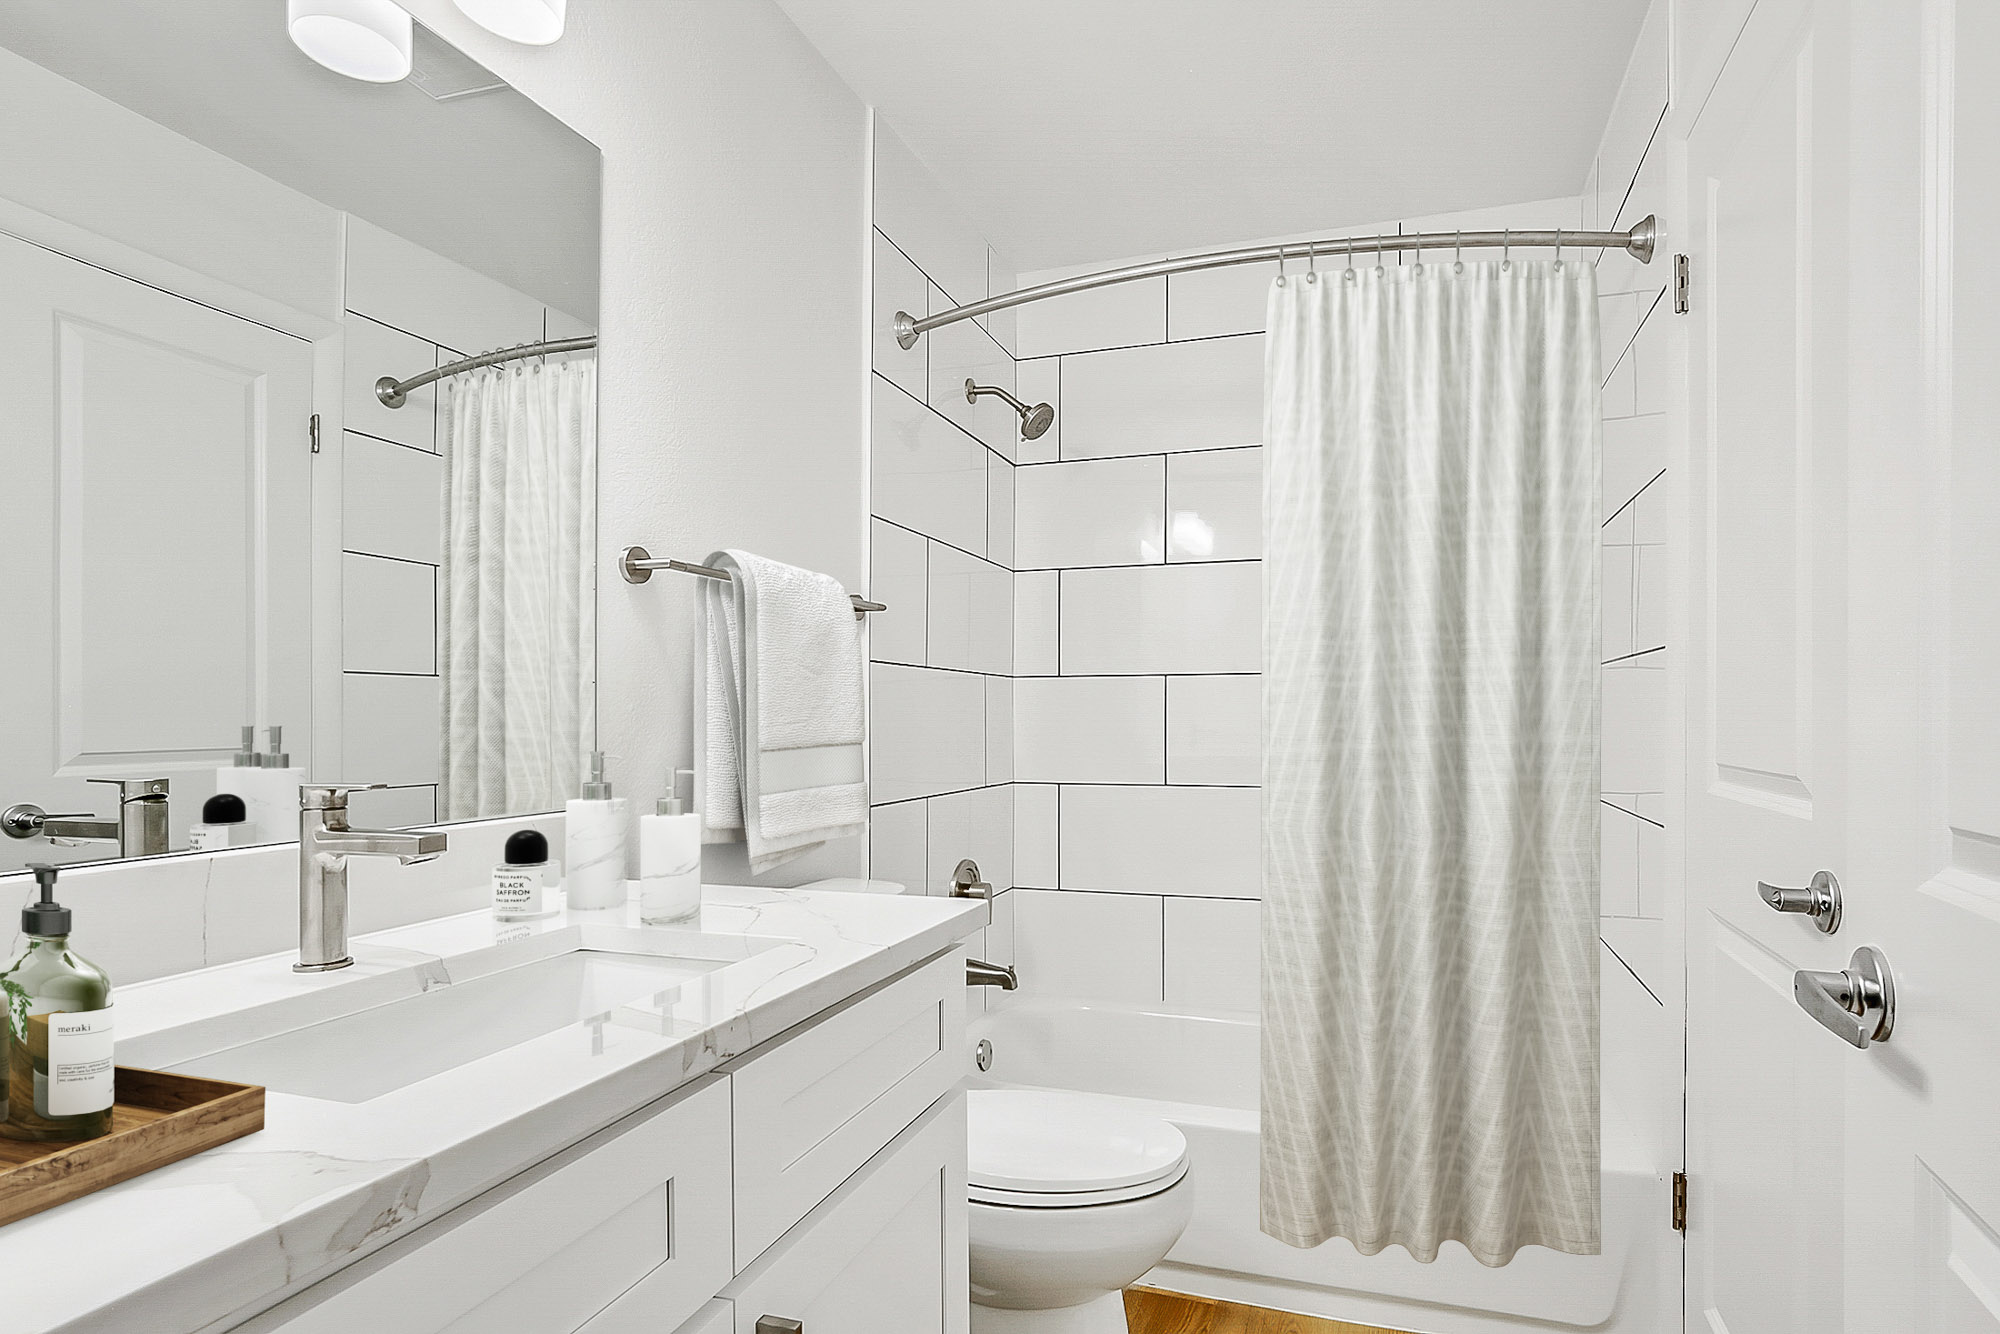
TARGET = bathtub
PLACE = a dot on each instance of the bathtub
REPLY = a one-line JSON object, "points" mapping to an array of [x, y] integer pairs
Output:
{"points": [[1201, 1074]]}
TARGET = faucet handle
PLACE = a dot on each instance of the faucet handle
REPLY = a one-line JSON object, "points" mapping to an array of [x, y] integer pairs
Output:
{"points": [[331, 796], [135, 789]]}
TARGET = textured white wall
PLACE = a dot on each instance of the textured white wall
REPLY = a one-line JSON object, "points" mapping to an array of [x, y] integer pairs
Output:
{"points": [[734, 355]]}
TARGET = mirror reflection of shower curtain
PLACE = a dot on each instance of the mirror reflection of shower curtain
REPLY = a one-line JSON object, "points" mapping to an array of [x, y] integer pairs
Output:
{"points": [[1430, 986], [517, 622]]}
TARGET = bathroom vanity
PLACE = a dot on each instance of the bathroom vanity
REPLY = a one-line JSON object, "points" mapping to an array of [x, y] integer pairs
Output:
{"points": [[578, 1123]]}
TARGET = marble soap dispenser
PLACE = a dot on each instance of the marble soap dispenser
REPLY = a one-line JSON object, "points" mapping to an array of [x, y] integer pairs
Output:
{"points": [[594, 828]]}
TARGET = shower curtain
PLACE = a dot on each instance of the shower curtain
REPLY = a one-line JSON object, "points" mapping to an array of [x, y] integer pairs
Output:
{"points": [[517, 619], [1430, 993]]}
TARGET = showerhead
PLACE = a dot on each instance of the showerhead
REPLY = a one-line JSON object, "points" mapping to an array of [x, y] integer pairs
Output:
{"points": [[1034, 420]]}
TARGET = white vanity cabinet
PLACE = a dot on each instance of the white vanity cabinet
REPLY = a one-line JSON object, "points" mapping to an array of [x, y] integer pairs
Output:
{"points": [[818, 1177]]}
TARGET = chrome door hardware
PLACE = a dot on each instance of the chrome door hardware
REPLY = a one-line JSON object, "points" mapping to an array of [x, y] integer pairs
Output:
{"points": [[966, 882], [1858, 1004], [777, 1324], [1819, 900]]}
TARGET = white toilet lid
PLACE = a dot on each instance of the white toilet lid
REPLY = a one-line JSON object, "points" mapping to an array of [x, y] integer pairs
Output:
{"points": [[1045, 1142]]}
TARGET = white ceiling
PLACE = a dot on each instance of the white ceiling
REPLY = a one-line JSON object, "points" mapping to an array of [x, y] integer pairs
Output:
{"points": [[492, 181], [1085, 130]]}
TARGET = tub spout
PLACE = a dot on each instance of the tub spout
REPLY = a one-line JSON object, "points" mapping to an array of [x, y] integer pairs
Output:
{"points": [[979, 973]]}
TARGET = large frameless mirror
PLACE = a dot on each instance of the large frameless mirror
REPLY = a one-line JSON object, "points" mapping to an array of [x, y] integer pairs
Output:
{"points": [[242, 549]]}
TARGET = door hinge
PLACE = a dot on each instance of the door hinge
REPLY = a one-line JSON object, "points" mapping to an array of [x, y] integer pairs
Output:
{"points": [[312, 429], [1680, 284], [1680, 1201]]}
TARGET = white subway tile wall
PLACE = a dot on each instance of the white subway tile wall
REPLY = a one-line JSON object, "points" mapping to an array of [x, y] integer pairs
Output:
{"points": [[1106, 512], [942, 492], [1133, 716], [1627, 181]]}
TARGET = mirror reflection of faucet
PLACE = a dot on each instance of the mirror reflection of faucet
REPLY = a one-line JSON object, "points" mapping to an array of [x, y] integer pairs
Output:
{"points": [[138, 828], [326, 841]]}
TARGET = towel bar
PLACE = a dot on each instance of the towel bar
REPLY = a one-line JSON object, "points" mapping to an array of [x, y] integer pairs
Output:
{"points": [[637, 565]]}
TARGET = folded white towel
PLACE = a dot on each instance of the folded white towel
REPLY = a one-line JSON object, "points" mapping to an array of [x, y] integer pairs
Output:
{"points": [[778, 690]]}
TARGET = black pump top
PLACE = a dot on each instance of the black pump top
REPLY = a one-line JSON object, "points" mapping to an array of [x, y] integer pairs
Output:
{"points": [[526, 848], [224, 808], [46, 917]]}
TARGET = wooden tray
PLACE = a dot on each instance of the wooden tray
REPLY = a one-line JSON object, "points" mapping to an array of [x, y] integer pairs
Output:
{"points": [[158, 1119]]}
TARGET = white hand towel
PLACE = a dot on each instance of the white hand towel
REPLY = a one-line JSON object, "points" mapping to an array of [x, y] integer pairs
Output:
{"points": [[778, 691]]}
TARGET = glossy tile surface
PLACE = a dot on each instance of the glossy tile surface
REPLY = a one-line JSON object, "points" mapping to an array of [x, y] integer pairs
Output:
{"points": [[1090, 729], [1163, 398], [1088, 946], [1174, 619], [1214, 729], [1215, 505], [1106, 512], [1199, 841]]}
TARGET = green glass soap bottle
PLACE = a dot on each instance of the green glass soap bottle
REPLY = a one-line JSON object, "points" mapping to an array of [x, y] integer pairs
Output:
{"points": [[57, 1035]]}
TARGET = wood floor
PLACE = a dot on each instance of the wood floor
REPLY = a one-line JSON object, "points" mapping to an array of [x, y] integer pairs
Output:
{"points": [[1151, 1311]]}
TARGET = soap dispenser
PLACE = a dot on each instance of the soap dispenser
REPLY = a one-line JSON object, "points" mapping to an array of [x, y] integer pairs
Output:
{"points": [[670, 857], [273, 800], [56, 1038], [594, 842]]}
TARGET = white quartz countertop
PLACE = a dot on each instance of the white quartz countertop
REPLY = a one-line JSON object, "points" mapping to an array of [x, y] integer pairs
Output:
{"points": [[208, 1240]]}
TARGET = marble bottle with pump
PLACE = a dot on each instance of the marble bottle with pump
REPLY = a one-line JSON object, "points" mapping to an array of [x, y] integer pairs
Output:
{"points": [[670, 857], [594, 828]]}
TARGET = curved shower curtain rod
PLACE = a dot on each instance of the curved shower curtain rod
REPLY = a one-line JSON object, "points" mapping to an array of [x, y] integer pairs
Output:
{"points": [[1637, 242], [394, 393]]}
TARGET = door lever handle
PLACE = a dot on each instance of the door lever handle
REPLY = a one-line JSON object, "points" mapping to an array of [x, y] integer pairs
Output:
{"points": [[1857, 1004], [1820, 900]]}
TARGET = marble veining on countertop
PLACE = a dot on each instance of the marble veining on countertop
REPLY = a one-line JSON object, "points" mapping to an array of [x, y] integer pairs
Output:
{"points": [[205, 1242]]}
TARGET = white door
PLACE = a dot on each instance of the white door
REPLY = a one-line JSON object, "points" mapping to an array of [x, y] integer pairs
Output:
{"points": [[154, 523], [1841, 537]]}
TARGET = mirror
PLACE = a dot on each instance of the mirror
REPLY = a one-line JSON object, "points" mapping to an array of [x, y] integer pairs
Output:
{"points": [[212, 249]]}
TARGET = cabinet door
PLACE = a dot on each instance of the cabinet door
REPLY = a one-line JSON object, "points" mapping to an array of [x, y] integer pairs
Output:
{"points": [[815, 1104], [884, 1254], [636, 1215]]}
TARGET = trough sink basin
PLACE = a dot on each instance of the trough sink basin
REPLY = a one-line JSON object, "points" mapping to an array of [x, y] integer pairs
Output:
{"points": [[361, 1056]]}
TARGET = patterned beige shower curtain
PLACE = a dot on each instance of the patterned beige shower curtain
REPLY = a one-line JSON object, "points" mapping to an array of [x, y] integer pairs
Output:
{"points": [[1430, 988]]}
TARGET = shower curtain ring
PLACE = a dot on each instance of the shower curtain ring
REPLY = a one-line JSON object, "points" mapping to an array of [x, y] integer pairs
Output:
{"points": [[1506, 249], [1349, 245], [1281, 266], [1457, 241], [1420, 252], [1559, 250], [1378, 252], [1312, 269]]}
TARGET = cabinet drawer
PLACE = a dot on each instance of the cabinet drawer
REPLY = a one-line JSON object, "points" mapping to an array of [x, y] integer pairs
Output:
{"points": [[643, 1202], [886, 1252], [812, 1107], [633, 1314]]}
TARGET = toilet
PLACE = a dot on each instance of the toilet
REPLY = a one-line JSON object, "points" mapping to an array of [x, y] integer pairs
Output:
{"points": [[1072, 1198]]}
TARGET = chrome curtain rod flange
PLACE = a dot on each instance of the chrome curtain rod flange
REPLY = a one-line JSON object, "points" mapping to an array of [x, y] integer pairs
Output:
{"points": [[394, 393], [637, 564], [1638, 241]]}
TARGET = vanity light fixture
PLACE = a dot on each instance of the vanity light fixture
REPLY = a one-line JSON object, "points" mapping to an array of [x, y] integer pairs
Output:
{"points": [[370, 40], [529, 22]]}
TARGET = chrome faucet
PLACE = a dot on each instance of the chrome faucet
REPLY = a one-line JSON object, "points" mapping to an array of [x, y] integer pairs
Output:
{"points": [[979, 973], [325, 843], [139, 828]]}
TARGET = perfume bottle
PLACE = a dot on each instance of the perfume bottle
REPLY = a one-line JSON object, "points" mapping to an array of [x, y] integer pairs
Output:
{"points": [[57, 1036]]}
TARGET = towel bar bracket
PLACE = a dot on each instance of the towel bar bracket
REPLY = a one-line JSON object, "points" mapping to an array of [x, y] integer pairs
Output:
{"points": [[636, 565]]}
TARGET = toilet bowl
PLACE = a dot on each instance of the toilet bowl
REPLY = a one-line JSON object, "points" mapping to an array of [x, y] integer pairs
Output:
{"points": [[1072, 1198]]}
